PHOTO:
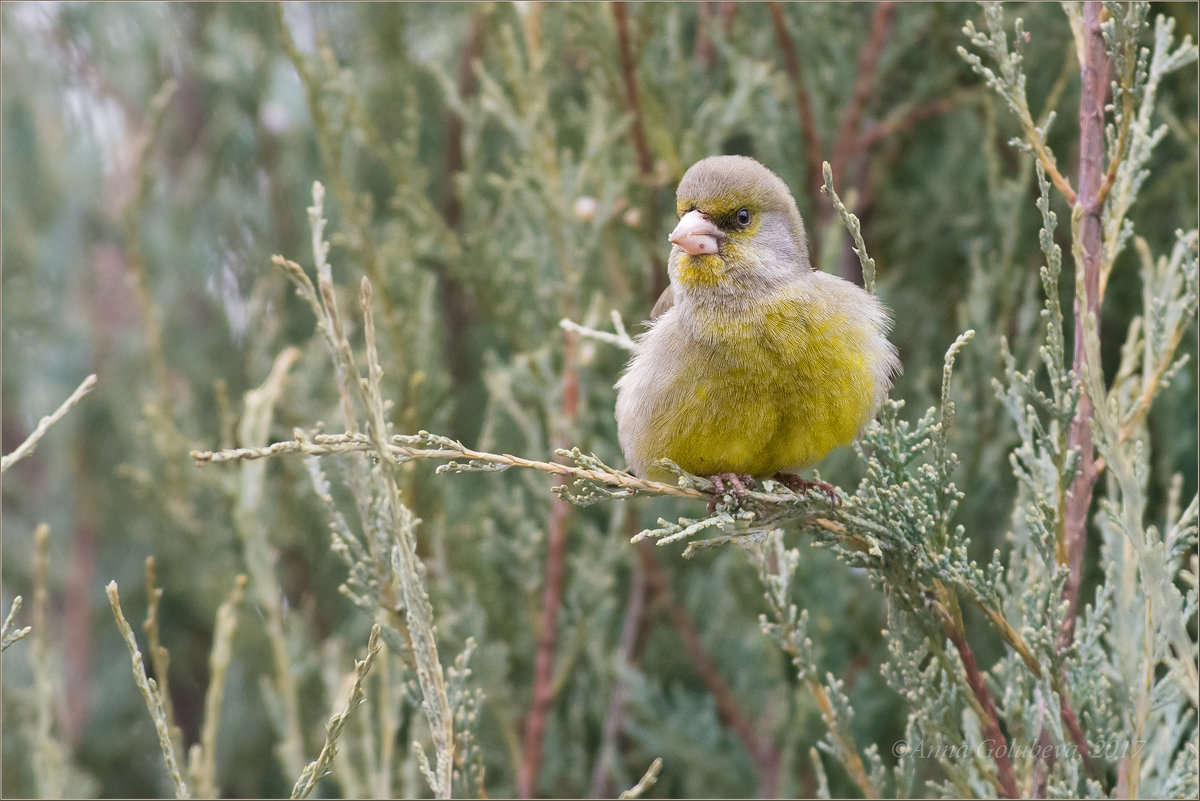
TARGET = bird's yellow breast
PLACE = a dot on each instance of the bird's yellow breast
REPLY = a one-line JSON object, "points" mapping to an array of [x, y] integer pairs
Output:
{"points": [[776, 390]]}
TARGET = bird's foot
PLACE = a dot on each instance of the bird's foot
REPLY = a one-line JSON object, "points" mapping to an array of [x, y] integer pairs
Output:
{"points": [[741, 483], [797, 484]]}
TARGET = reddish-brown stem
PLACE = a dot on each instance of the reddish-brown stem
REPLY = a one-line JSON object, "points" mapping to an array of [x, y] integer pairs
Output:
{"points": [[808, 126], [847, 141], [1089, 205], [627, 654], [900, 122], [1047, 754], [87, 72], [640, 144], [946, 609], [710, 15], [456, 298], [657, 277], [757, 744], [1076, 732], [79, 619], [991, 719], [556, 568], [547, 649], [703, 50], [1094, 74], [1042, 767]]}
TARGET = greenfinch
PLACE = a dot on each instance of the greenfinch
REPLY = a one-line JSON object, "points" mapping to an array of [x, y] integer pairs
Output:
{"points": [[754, 364]]}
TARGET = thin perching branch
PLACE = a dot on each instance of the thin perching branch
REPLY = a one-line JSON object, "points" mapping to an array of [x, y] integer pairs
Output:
{"points": [[424, 445]]}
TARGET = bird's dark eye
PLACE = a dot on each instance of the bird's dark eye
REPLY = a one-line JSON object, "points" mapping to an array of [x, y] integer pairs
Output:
{"points": [[743, 217]]}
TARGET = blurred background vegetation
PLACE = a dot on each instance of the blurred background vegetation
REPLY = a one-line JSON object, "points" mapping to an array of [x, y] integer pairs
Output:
{"points": [[492, 168]]}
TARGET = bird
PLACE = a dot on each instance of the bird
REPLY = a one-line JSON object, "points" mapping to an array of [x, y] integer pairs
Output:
{"points": [[754, 364]]}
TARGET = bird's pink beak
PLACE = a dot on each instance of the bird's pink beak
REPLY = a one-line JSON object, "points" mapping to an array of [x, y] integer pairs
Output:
{"points": [[696, 234]]}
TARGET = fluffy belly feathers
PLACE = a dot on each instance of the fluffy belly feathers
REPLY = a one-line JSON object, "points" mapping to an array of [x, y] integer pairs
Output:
{"points": [[774, 396]]}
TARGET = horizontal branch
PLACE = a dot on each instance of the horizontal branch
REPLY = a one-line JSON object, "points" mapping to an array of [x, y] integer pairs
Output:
{"points": [[431, 446], [590, 480], [857, 535]]}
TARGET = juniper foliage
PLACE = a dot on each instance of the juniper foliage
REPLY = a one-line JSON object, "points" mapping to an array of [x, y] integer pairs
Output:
{"points": [[493, 185]]}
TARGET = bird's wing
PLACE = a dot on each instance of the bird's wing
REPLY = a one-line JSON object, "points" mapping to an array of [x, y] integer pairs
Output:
{"points": [[665, 301]]}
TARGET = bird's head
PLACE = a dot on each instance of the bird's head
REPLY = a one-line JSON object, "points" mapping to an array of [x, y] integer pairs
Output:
{"points": [[739, 229]]}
